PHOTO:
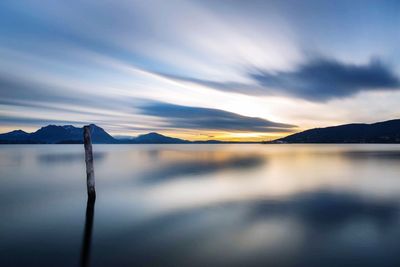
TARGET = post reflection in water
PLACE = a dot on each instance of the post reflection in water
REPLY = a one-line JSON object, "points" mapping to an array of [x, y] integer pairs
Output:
{"points": [[87, 234]]}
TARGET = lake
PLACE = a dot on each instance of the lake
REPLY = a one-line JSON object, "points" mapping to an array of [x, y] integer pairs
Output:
{"points": [[201, 205]]}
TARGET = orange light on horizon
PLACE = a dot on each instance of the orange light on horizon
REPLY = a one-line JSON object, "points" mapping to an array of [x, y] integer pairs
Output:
{"points": [[193, 135]]}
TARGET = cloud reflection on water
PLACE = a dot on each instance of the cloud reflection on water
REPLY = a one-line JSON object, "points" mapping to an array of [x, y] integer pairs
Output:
{"points": [[62, 158], [373, 155], [210, 164], [328, 209]]}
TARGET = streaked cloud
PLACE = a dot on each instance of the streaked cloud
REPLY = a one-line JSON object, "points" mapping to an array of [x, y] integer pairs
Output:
{"points": [[324, 79], [187, 117]]}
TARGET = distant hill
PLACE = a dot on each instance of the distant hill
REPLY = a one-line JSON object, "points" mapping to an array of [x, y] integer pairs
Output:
{"points": [[153, 138], [380, 132], [53, 134], [15, 135]]}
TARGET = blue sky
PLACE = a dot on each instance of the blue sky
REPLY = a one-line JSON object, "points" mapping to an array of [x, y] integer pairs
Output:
{"points": [[231, 70]]}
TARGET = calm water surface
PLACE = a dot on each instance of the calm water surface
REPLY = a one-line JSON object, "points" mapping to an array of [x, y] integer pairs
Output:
{"points": [[201, 205]]}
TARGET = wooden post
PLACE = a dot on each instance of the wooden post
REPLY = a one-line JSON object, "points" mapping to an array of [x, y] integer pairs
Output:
{"points": [[89, 163]]}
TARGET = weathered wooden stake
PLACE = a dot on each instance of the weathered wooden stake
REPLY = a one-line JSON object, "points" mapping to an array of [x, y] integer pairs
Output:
{"points": [[89, 163]]}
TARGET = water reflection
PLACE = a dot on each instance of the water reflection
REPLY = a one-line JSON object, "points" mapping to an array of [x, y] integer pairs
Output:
{"points": [[87, 234], [215, 162], [374, 155], [199, 205], [63, 158], [320, 228], [325, 209]]}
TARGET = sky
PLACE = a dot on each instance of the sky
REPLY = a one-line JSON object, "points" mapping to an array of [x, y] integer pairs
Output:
{"points": [[226, 70]]}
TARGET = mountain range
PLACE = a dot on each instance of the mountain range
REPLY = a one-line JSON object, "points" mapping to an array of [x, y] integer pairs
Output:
{"points": [[68, 134], [380, 132]]}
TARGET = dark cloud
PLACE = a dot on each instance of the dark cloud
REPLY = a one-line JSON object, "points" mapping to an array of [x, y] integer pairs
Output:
{"points": [[319, 79], [324, 79], [210, 119]]}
